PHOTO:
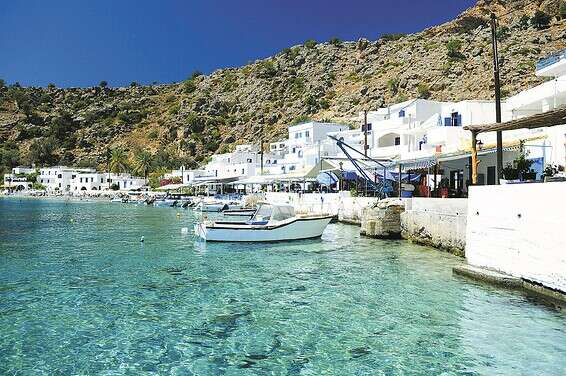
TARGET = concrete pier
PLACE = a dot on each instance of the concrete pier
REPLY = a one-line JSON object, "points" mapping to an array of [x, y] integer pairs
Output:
{"points": [[383, 220]]}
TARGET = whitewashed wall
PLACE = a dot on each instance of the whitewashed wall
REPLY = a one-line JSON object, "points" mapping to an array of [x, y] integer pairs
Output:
{"points": [[438, 222], [519, 229], [348, 209]]}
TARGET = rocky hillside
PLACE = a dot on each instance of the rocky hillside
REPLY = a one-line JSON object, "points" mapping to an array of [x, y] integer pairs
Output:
{"points": [[188, 121]]}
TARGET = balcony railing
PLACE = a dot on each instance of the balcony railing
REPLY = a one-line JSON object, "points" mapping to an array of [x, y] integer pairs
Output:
{"points": [[550, 60]]}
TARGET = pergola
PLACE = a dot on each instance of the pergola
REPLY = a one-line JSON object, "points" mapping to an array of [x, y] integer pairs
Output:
{"points": [[546, 119]]}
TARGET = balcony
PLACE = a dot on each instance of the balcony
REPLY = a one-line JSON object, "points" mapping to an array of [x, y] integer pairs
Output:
{"points": [[553, 65]]}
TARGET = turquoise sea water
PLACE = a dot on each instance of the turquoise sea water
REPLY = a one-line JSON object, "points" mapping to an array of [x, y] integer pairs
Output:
{"points": [[79, 294]]}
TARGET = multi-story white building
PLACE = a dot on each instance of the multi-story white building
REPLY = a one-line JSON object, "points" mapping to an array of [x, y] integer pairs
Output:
{"points": [[58, 178], [305, 146]]}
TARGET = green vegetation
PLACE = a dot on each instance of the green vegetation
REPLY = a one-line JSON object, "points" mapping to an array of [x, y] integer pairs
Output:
{"points": [[195, 123], [453, 49], [174, 109], [392, 37], [143, 163], [266, 69], [9, 157], [311, 43], [524, 22], [2, 83], [540, 20], [119, 161], [42, 151], [423, 91], [51, 86], [153, 134], [335, 42], [300, 119], [393, 86], [134, 84], [562, 10], [103, 84], [503, 32]]}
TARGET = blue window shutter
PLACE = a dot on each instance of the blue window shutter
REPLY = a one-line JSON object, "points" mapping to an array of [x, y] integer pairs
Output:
{"points": [[447, 122], [402, 113], [459, 120]]}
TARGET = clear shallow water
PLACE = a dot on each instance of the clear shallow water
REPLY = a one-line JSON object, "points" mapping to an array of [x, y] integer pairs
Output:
{"points": [[79, 294]]}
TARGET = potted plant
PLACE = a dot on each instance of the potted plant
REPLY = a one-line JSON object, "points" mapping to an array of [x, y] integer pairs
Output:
{"points": [[523, 166], [551, 171], [519, 170]]}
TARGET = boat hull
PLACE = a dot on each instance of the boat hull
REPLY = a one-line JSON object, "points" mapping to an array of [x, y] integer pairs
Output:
{"points": [[297, 229]]}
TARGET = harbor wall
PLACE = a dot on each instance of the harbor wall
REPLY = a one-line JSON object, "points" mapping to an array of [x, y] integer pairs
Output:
{"points": [[518, 229], [437, 222], [348, 209]]}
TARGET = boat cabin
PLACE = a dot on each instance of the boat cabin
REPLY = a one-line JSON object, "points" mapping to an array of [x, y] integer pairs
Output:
{"points": [[272, 213]]}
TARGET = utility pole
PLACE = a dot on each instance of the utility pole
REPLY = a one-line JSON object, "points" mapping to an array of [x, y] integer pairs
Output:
{"points": [[108, 165], [365, 133], [497, 82], [261, 150]]}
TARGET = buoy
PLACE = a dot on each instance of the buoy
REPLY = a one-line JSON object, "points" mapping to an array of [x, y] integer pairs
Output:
{"points": [[142, 239], [178, 215], [184, 230]]}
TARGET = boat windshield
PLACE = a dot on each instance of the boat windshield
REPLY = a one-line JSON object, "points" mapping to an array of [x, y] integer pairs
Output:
{"points": [[263, 213], [281, 213]]}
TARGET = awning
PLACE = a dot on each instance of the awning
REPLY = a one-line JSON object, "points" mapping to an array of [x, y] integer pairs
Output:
{"points": [[413, 164], [466, 154]]}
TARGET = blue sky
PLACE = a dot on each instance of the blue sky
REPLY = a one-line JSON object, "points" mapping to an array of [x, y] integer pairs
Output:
{"points": [[81, 42]]}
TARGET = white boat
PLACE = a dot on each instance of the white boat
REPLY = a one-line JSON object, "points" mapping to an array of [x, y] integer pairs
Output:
{"points": [[211, 207], [271, 222], [239, 212], [165, 203]]}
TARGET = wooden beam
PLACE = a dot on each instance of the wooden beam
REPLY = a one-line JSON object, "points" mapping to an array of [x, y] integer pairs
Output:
{"points": [[474, 158], [542, 120]]}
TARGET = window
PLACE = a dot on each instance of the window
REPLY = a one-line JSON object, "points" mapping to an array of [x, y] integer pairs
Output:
{"points": [[228, 160], [293, 150], [402, 113], [243, 172], [281, 146], [60, 176], [249, 160], [456, 119], [397, 140], [307, 134], [73, 176], [291, 168], [273, 147], [81, 180], [300, 153]]}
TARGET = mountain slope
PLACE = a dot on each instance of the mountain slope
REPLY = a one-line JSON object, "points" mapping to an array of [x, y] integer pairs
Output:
{"points": [[186, 122]]}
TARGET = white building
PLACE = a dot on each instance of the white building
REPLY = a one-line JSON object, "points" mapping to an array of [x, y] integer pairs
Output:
{"points": [[58, 178], [306, 146], [17, 179]]}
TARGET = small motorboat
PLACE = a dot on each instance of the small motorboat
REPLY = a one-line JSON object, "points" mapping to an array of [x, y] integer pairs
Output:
{"points": [[270, 222], [166, 203], [211, 207]]}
